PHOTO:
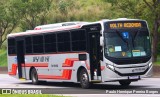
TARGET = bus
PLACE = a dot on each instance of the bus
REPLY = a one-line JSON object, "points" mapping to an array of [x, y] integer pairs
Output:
{"points": [[94, 52]]}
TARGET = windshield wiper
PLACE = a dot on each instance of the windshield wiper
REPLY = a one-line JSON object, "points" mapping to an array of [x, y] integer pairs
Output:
{"points": [[134, 37], [118, 33]]}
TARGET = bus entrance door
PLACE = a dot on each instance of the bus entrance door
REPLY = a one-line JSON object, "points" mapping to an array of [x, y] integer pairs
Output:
{"points": [[94, 49], [20, 58]]}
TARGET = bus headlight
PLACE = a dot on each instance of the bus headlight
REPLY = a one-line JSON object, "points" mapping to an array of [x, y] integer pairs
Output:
{"points": [[150, 64], [111, 67]]}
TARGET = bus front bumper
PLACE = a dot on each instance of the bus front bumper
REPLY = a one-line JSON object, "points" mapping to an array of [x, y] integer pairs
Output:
{"points": [[113, 75]]}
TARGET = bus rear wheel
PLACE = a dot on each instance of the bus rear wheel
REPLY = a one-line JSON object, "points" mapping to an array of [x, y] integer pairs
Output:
{"points": [[34, 77], [84, 79], [125, 82]]}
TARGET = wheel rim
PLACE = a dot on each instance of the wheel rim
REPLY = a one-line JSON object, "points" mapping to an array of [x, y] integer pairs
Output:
{"points": [[84, 79]]}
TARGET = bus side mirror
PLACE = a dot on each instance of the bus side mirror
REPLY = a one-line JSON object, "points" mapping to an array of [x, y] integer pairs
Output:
{"points": [[101, 41]]}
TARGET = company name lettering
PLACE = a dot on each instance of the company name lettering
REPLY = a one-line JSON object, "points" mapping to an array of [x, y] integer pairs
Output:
{"points": [[41, 59]]}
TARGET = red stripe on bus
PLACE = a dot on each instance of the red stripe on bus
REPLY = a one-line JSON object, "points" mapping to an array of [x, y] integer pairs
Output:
{"points": [[66, 75], [14, 66], [13, 70], [69, 62], [35, 65], [88, 67], [102, 68]]}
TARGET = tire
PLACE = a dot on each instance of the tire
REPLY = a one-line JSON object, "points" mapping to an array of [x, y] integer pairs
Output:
{"points": [[34, 77], [84, 79], [125, 82]]}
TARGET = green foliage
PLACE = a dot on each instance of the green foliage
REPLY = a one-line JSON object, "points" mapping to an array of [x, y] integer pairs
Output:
{"points": [[81, 10], [33, 12], [30, 13], [8, 20], [3, 58], [158, 61]]}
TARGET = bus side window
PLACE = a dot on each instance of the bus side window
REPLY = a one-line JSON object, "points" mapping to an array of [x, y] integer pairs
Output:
{"points": [[78, 40], [28, 45], [38, 44], [11, 46], [63, 41], [50, 43]]}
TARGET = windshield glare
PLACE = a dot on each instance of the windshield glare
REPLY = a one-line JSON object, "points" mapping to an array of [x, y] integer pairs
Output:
{"points": [[127, 43]]}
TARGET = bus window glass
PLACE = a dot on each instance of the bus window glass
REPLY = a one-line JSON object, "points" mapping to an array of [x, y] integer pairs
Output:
{"points": [[78, 40], [28, 45], [125, 44], [63, 42], [141, 42], [50, 43], [11, 46], [38, 44]]}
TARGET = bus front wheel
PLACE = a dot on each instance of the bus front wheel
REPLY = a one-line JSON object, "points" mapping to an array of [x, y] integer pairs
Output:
{"points": [[125, 82], [84, 79], [34, 76]]}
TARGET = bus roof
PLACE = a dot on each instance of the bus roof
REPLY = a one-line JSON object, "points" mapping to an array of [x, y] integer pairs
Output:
{"points": [[65, 26], [30, 32], [58, 25]]}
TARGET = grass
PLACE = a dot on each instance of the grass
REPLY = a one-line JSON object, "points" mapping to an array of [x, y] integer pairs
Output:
{"points": [[29, 95], [158, 61], [3, 58]]}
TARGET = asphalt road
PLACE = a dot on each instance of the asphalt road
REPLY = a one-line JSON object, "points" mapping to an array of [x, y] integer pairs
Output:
{"points": [[74, 89]]}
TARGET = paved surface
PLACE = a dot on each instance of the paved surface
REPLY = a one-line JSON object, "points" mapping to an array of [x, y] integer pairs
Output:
{"points": [[74, 88]]}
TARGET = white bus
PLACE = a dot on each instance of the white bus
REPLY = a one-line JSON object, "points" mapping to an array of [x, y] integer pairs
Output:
{"points": [[103, 51]]}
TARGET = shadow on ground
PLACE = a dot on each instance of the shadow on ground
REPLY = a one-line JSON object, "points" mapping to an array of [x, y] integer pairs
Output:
{"points": [[94, 86]]}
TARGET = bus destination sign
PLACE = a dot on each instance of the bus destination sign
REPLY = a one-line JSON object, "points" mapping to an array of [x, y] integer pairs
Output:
{"points": [[125, 25]]}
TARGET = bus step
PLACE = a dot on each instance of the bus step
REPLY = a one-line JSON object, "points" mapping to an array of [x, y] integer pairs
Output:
{"points": [[22, 79]]}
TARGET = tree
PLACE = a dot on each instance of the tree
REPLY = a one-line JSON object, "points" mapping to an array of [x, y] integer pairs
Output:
{"points": [[34, 12], [154, 7], [8, 20], [146, 9], [62, 9], [126, 8]]}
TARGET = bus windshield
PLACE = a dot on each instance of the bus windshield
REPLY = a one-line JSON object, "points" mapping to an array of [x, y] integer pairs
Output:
{"points": [[127, 43]]}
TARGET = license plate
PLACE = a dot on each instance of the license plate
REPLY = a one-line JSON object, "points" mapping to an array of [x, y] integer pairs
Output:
{"points": [[133, 77]]}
